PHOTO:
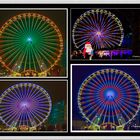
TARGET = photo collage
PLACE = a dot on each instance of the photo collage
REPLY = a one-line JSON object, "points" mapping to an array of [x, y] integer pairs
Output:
{"points": [[66, 70]]}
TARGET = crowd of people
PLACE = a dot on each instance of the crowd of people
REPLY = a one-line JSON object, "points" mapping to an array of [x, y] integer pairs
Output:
{"points": [[77, 54]]}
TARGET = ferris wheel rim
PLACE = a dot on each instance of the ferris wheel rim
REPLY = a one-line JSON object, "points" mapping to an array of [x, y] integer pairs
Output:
{"points": [[45, 19], [92, 11], [89, 77], [23, 84]]}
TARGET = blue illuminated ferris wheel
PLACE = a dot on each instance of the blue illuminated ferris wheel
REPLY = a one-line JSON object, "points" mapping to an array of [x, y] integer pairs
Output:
{"points": [[109, 96], [25, 104], [99, 27]]}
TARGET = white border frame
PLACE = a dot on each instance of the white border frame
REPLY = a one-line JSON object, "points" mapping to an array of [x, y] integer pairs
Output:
{"points": [[68, 2], [66, 37], [71, 138], [38, 80], [92, 131]]}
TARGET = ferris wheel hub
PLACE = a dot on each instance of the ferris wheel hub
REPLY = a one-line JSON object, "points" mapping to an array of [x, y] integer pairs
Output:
{"points": [[110, 94], [24, 104], [29, 40], [98, 33]]}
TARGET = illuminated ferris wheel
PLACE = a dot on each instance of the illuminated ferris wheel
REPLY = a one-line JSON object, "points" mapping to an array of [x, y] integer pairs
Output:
{"points": [[109, 96], [25, 104], [99, 27], [30, 42]]}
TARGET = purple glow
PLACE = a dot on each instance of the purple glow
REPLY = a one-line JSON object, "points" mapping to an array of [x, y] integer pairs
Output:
{"points": [[98, 33], [111, 53], [100, 27], [25, 104]]}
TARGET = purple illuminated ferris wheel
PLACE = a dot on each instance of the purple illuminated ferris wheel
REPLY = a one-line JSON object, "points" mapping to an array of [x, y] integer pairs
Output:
{"points": [[109, 96], [99, 27], [25, 104]]}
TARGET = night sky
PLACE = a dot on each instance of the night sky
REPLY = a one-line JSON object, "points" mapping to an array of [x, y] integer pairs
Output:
{"points": [[130, 20], [56, 89], [58, 16], [80, 73]]}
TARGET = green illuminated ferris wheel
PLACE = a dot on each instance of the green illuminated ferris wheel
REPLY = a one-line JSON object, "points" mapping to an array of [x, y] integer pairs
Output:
{"points": [[30, 42]]}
